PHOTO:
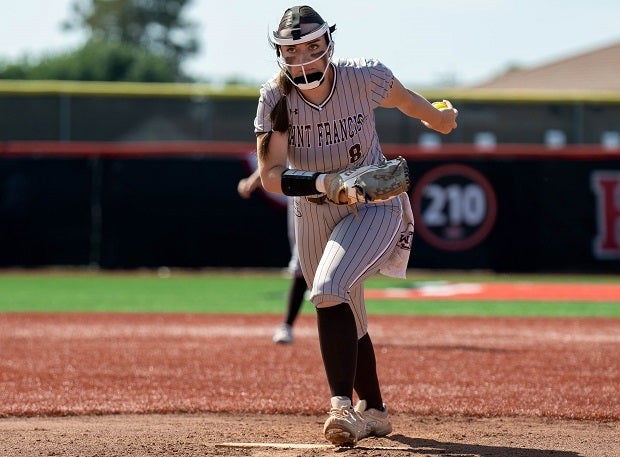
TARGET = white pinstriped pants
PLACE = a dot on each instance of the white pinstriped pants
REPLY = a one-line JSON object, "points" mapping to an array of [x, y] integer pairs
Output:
{"points": [[339, 249]]}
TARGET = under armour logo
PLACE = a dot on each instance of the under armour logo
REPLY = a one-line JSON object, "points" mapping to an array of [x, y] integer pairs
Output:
{"points": [[294, 111]]}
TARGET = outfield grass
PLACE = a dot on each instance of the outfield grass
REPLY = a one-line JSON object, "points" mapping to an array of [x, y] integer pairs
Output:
{"points": [[254, 292]]}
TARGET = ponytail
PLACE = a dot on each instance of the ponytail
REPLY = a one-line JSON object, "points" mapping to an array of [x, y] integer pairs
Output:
{"points": [[279, 115]]}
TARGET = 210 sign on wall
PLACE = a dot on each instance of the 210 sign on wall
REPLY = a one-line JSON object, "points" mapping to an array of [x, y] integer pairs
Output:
{"points": [[454, 207]]}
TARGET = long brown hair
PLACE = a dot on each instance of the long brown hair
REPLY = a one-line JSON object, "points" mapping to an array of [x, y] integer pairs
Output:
{"points": [[279, 115]]}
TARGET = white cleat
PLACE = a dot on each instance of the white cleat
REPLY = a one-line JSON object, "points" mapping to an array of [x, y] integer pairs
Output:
{"points": [[283, 334], [377, 423], [344, 426]]}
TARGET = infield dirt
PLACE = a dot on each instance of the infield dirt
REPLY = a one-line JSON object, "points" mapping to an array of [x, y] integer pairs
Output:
{"points": [[185, 385]]}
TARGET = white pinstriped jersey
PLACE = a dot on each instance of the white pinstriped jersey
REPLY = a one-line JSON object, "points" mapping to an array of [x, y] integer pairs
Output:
{"points": [[340, 133], [339, 246]]}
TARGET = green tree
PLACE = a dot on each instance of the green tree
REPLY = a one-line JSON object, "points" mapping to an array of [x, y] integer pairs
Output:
{"points": [[129, 40], [96, 61], [156, 25]]}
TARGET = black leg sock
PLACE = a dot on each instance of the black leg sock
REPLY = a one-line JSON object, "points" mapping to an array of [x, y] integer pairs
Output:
{"points": [[366, 381], [295, 299], [338, 341]]}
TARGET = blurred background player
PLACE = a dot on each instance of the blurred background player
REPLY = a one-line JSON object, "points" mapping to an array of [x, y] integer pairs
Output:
{"points": [[298, 287]]}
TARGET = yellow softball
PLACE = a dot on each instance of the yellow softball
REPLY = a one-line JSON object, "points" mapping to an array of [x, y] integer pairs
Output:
{"points": [[440, 105]]}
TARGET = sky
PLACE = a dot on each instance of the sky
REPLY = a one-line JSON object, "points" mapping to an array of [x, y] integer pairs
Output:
{"points": [[425, 43]]}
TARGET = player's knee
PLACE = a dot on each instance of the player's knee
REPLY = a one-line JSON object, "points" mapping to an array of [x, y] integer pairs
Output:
{"points": [[327, 303]]}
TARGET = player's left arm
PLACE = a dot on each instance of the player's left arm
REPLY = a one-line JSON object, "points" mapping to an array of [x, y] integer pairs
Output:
{"points": [[415, 105]]}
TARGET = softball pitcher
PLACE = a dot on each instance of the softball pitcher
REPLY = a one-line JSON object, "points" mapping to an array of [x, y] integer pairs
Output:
{"points": [[315, 127]]}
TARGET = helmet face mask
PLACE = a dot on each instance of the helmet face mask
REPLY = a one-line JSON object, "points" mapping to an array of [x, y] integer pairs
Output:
{"points": [[305, 81]]}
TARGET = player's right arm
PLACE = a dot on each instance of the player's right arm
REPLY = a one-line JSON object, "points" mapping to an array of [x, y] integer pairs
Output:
{"points": [[272, 152], [272, 159], [278, 178]]}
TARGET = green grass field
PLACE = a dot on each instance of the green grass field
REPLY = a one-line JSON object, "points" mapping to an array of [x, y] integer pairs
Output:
{"points": [[256, 292]]}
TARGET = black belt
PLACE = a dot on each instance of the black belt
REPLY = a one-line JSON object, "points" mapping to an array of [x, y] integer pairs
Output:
{"points": [[318, 200]]}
